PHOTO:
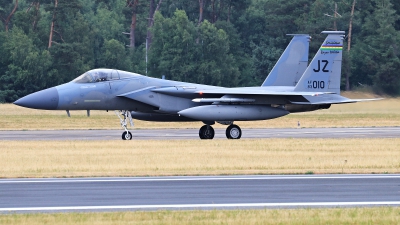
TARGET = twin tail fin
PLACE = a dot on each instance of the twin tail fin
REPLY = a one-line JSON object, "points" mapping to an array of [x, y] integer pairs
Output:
{"points": [[324, 72], [292, 63]]}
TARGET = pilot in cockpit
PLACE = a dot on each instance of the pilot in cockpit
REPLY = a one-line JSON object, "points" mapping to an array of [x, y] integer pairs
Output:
{"points": [[99, 76], [95, 76]]}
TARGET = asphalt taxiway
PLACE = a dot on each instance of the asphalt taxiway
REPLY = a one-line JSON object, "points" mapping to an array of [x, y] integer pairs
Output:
{"points": [[164, 134], [210, 192]]}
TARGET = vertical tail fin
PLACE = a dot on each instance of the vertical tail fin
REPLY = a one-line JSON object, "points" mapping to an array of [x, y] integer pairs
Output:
{"points": [[292, 63], [324, 71]]}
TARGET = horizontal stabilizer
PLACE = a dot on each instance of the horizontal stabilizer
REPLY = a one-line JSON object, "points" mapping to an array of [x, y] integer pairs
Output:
{"points": [[365, 100], [344, 101]]}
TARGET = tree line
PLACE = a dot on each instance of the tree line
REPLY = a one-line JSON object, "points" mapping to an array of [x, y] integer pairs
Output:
{"points": [[218, 42]]}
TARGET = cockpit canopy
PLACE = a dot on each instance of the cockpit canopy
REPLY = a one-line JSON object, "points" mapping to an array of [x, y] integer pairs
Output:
{"points": [[99, 75]]}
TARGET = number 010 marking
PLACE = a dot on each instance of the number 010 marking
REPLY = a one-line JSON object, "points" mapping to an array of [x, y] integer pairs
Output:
{"points": [[318, 84]]}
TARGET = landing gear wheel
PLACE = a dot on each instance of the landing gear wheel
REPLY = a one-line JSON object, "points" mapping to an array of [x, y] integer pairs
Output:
{"points": [[233, 132], [206, 132], [127, 135], [126, 116]]}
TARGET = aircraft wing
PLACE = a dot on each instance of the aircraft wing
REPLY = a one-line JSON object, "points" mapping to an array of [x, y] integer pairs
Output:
{"points": [[259, 91]]}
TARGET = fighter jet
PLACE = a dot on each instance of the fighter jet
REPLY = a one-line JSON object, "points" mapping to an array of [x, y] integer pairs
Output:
{"points": [[140, 97]]}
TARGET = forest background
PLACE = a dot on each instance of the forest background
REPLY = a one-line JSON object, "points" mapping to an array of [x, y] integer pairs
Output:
{"points": [[218, 42]]}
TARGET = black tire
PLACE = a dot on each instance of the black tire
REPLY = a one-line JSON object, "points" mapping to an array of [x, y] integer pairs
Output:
{"points": [[201, 133], [206, 132], [233, 132], [127, 135]]}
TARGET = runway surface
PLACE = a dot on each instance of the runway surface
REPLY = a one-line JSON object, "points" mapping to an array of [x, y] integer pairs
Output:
{"points": [[164, 134], [211, 192]]}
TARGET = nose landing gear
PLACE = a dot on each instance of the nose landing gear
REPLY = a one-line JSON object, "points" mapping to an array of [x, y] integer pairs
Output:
{"points": [[126, 135]]}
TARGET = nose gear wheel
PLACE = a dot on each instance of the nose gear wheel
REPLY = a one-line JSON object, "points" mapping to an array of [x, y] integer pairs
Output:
{"points": [[127, 135]]}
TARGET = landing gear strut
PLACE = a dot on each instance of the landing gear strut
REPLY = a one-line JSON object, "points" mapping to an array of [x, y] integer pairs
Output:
{"points": [[126, 135], [206, 132], [233, 132]]}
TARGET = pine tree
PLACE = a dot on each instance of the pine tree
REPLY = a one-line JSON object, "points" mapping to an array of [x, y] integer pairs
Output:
{"points": [[377, 54]]}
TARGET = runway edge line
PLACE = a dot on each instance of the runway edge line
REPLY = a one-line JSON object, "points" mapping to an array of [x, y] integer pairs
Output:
{"points": [[200, 206]]}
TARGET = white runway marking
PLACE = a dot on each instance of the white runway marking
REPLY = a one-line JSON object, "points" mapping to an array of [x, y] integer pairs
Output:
{"points": [[145, 179], [201, 206]]}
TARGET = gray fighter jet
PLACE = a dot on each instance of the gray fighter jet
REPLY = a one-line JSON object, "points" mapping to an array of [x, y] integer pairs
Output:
{"points": [[290, 87]]}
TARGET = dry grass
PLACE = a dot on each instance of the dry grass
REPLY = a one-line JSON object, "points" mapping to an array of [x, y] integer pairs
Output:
{"points": [[377, 113], [378, 215], [197, 157]]}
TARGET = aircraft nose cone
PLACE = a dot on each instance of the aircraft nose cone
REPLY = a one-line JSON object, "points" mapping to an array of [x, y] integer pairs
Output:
{"points": [[46, 99]]}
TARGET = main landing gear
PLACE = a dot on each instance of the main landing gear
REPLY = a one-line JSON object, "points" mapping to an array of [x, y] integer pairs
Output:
{"points": [[232, 132], [124, 115], [206, 132]]}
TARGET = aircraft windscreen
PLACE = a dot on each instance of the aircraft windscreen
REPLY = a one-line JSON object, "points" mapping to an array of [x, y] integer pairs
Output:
{"points": [[97, 75], [84, 78]]}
